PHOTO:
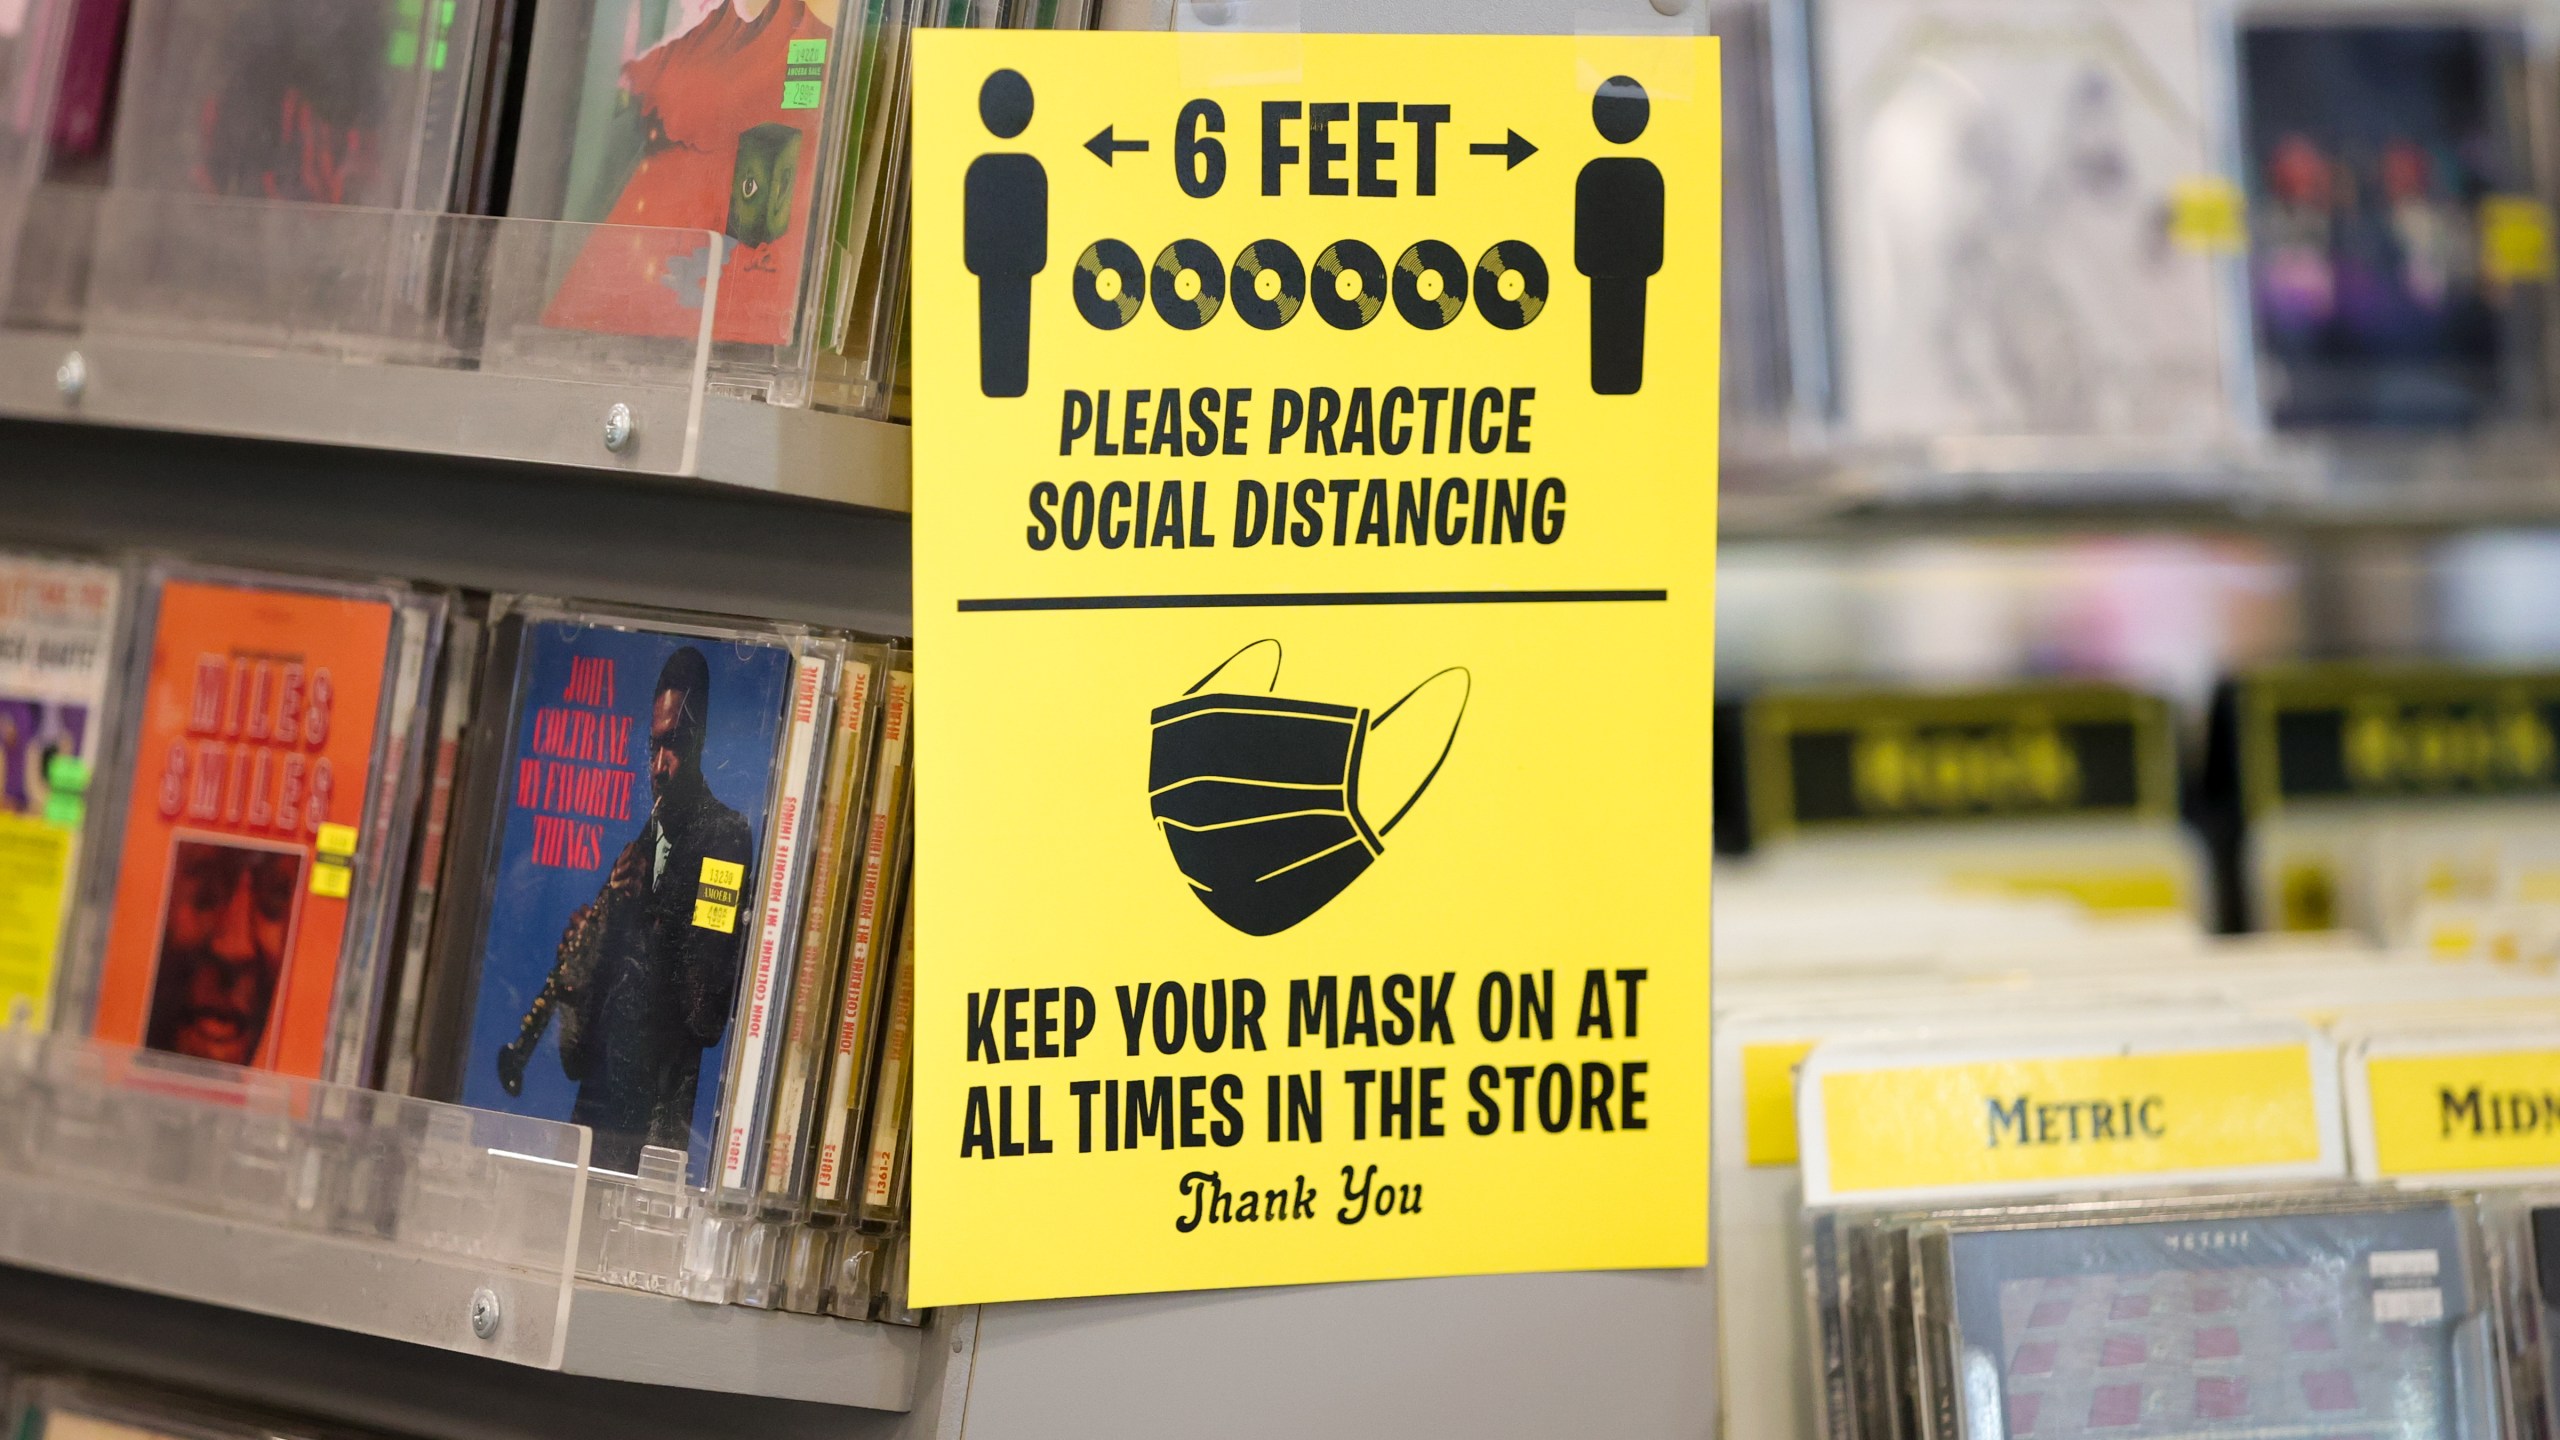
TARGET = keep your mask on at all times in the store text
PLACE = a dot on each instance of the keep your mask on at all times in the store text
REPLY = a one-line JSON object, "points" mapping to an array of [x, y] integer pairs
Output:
{"points": [[1379, 1090]]}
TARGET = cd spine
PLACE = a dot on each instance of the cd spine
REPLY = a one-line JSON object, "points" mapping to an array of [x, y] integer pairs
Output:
{"points": [[884, 1168], [462, 915], [363, 961], [453, 716], [75, 999], [834, 869], [830, 1191], [775, 942]]}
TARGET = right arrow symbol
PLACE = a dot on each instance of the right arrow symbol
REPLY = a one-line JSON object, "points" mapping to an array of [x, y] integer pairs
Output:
{"points": [[1513, 149]]}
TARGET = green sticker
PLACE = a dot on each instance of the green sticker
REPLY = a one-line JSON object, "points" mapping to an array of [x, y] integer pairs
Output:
{"points": [[806, 52], [66, 779], [801, 94]]}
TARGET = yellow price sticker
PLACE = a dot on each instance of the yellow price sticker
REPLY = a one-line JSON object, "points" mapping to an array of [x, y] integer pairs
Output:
{"points": [[335, 840], [2208, 214], [332, 880], [2515, 240], [715, 902]]}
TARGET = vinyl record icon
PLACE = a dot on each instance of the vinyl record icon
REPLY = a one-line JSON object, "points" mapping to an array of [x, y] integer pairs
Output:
{"points": [[1188, 285], [1270, 284], [1350, 285], [1511, 284], [1430, 284], [1108, 284]]}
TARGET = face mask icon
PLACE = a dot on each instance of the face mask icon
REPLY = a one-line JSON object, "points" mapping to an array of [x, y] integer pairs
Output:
{"points": [[1260, 797]]}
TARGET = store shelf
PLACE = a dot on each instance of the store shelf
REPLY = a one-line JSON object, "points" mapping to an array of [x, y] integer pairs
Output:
{"points": [[617, 1334], [392, 1388], [436, 1225], [317, 399]]}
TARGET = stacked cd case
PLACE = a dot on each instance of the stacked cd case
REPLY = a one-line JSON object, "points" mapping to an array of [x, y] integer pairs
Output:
{"points": [[639, 870], [2303, 1313], [2398, 267], [61, 621], [2000, 185], [248, 867], [335, 102], [672, 857]]}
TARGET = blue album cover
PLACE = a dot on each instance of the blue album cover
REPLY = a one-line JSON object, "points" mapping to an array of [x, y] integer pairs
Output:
{"points": [[637, 774], [2382, 155]]}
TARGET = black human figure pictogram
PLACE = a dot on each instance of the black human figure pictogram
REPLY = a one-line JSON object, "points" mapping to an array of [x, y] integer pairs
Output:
{"points": [[1006, 240], [1617, 237]]}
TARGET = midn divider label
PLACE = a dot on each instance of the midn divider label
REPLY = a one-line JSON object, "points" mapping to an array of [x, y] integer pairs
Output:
{"points": [[1314, 522]]}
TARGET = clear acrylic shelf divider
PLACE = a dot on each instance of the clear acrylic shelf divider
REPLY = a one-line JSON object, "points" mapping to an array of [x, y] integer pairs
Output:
{"points": [[335, 324], [408, 1219]]}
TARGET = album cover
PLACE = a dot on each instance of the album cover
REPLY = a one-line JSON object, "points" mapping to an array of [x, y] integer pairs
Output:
{"points": [[694, 115], [339, 102], [2002, 178], [59, 623], [1755, 368], [621, 826], [2384, 157], [84, 97], [268, 776], [2340, 1320]]}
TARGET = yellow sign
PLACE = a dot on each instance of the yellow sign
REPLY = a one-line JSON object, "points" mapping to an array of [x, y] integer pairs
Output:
{"points": [[2458, 1113], [2004, 1122], [1314, 576]]}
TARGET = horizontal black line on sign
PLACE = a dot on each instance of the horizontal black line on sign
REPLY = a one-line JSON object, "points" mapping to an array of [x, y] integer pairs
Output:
{"points": [[1312, 597]]}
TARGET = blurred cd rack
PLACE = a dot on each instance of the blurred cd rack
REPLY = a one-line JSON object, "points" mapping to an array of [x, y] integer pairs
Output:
{"points": [[377, 1214], [2337, 485]]}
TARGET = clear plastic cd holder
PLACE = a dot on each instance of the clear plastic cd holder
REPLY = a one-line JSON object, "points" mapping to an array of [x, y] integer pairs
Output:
{"points": [[649, 1232], [376, 1213], [345, 325], [267, 256], [30, 70]]}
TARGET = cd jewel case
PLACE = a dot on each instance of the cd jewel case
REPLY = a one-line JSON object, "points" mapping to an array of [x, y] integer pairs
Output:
{"points": [[2001, 179], [2358, 1320]]}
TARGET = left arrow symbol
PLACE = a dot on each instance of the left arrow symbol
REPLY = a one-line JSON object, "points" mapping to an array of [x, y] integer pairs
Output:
{"points": [[1104, 147]]}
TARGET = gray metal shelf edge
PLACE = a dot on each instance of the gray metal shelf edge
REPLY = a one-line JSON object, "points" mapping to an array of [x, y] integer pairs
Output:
{"points": [[316, 399], [285, 1365]]}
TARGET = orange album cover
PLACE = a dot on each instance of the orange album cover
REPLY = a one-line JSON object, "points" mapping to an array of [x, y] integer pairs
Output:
{"points": [[250, 772]]}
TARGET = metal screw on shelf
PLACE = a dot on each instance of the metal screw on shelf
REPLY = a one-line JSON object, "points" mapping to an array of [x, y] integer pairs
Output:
{"points": [[617, 427], [71, 377], [484, 1314]]}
